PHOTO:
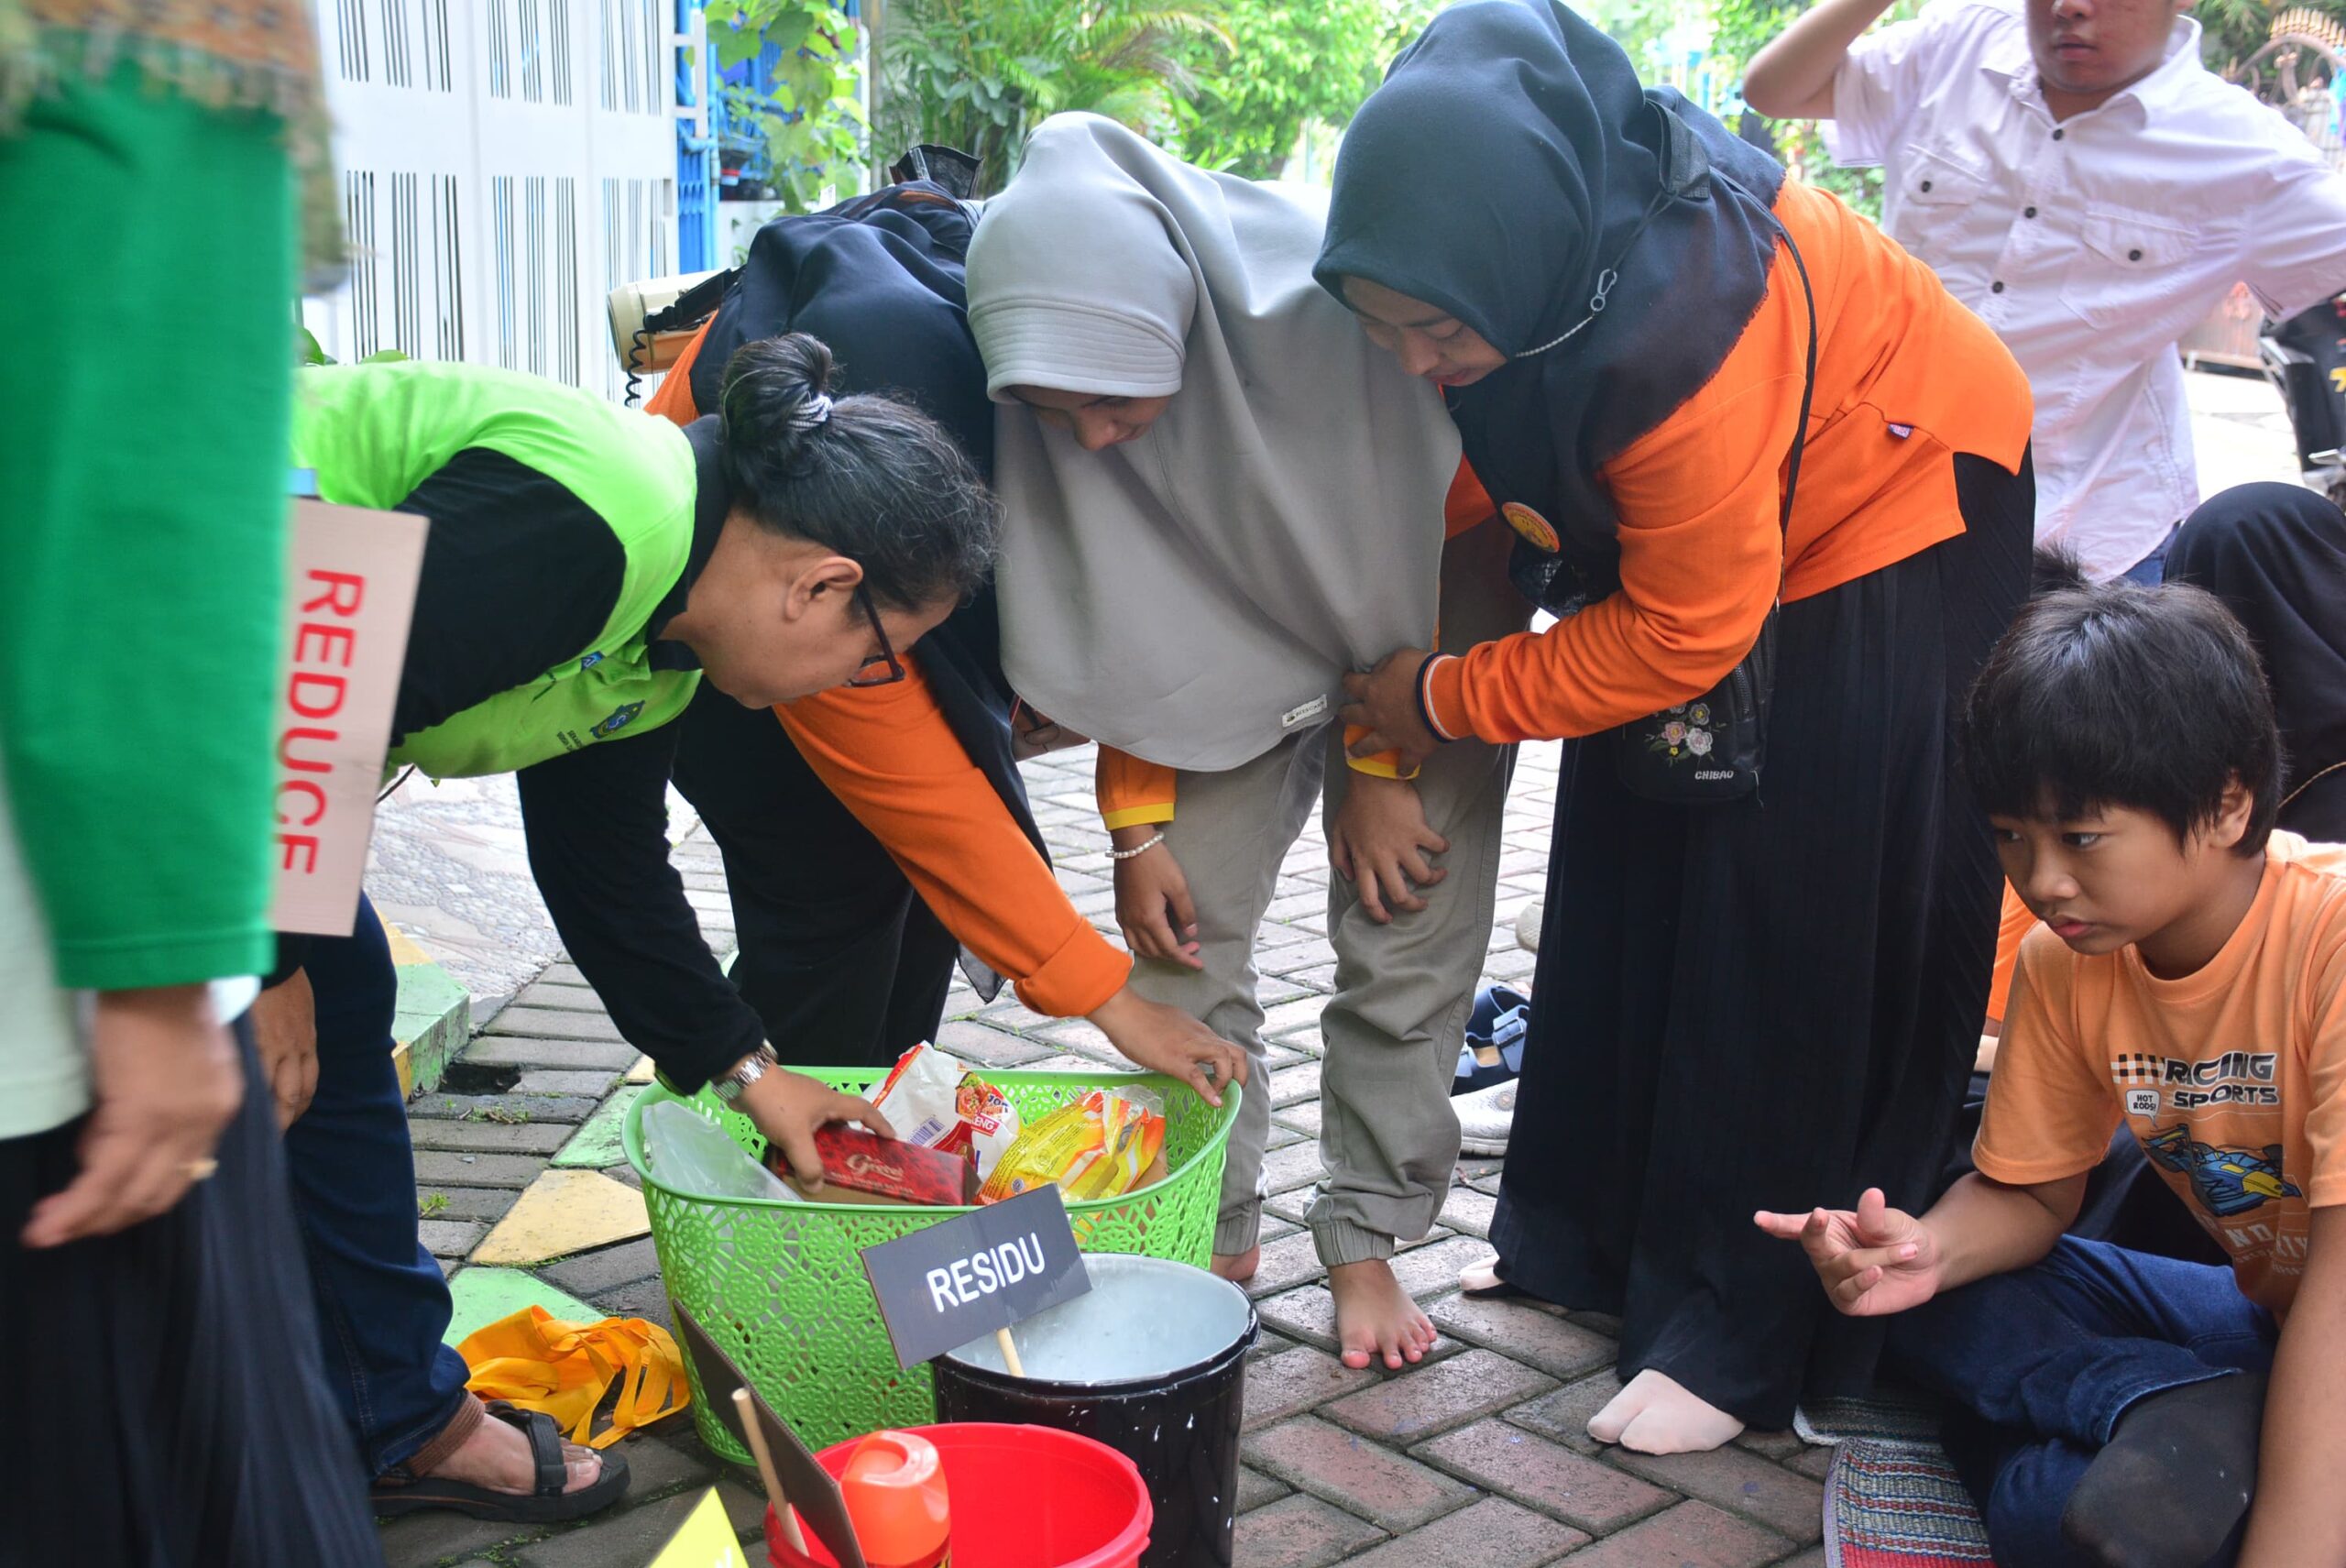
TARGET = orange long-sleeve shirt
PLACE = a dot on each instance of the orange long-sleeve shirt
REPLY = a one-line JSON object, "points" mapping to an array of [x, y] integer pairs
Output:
{"points": [[891, 758], [1132, 792], [1905, 377]]}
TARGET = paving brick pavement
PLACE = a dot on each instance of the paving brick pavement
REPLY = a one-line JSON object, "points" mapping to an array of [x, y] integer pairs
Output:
{"points": [[1476, 1459]]}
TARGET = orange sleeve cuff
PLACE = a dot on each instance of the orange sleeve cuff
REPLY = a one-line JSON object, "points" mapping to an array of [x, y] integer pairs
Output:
{"points": [[1078, 979], [1133, 792], [1444, 696]]}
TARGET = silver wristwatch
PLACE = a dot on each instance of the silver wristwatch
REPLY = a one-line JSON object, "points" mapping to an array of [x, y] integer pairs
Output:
{"points": [[745, 1072]]}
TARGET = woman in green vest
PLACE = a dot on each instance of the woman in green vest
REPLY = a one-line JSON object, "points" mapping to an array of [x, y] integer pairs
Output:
{"points": [[587, 567]]}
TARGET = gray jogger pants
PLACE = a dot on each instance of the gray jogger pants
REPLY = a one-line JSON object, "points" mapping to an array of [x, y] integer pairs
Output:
{"points": [[1392, 1031]]}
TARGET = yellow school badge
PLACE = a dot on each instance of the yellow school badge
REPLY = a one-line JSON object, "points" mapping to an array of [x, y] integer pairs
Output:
{"points": [[1535, 530]]}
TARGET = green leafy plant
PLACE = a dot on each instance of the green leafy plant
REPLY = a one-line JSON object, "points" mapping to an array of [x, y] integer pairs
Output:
{"points": [[1741, 28], [980, 74], [2231, 32], [430, 1204], [1286, 68], [811, 119]]}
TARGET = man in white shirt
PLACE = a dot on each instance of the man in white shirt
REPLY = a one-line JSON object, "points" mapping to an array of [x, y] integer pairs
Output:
{"points": [[2080, 180]]}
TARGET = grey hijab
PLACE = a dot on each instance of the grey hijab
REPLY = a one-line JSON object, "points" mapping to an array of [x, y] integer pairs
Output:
{"points": [[1195, 595]]}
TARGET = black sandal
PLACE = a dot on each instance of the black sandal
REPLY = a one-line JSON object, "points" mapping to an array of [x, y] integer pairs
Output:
{"points": [[397, 1491]]}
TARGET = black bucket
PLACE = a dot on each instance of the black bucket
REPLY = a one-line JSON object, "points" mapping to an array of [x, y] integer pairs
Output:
{"points": [[1152, 1363]]}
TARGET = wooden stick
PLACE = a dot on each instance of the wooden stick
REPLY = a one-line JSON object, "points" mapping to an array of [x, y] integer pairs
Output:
{"points": [[791, 1536], [1009, 1352]]}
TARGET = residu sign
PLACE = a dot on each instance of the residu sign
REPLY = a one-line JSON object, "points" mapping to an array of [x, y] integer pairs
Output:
{"points": [[965, 1280], [947, 1284]]}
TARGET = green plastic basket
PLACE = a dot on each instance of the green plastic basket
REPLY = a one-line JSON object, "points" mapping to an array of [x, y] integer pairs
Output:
{"points": [[781, 1286]]}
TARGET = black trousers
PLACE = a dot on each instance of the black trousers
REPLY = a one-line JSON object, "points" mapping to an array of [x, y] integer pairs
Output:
{"points": [[843, 962], [167, 1406], [1771, 1004], [2276, 555]]}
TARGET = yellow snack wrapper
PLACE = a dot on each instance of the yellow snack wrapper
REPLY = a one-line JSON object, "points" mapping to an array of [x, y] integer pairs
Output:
{"points": [[1099, 1147]]}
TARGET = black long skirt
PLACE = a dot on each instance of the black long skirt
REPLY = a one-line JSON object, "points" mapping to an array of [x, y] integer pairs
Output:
{"points": [[167, 1405], [1771, 1004]]}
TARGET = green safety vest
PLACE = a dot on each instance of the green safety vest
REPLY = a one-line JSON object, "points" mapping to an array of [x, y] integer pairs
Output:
{"points": [[373, 433]]}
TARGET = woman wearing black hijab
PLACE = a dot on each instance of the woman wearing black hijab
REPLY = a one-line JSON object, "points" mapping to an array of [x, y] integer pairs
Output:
{"points": [[2276, 555], [1699, 390]]}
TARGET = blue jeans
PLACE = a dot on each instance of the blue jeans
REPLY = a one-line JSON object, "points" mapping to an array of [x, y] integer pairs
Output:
{"points": [[382, 1302], [2042, 1361], [2151, 570]]}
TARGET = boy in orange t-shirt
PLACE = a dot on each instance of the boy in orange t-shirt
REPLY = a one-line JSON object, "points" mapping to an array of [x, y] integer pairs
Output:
{"points": [[2189, 983]]}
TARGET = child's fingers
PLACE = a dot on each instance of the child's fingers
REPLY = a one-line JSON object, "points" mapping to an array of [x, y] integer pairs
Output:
{"points": [[1150, 936], [1878, 1222], [1784, 1227], [1397, 893], [1850, 1292], [1875, 1261]]}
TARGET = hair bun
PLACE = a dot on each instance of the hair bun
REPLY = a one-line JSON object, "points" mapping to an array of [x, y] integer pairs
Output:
{"points": [[777, 388]]}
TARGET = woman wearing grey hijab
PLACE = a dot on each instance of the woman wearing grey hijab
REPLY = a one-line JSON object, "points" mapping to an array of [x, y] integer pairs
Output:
{"points": [[1219, 500]]}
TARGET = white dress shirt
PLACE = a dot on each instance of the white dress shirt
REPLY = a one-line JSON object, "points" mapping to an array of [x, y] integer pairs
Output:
{"points": [[2090, 244]]}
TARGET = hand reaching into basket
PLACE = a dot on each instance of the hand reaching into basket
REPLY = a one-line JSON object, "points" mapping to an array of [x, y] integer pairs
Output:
{"points": [[788, 1106], [1165, 1039]]}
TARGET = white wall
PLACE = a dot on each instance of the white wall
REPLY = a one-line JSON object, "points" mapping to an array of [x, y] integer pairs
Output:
{"points": [[503, 165]]}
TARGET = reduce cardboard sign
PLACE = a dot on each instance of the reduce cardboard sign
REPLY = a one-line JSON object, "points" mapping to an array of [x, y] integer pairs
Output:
{"points": [[350, 591], [945, 1285]]}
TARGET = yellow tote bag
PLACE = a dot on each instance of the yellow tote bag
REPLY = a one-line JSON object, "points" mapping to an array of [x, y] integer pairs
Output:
{"points": [[540, 1362]]}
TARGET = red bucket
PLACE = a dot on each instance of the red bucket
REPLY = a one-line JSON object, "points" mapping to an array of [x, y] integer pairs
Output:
{"points": [[1022, 1498]]}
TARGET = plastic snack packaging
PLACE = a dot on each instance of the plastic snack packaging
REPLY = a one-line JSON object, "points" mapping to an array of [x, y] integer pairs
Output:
{"points": [[935, 1102], [1102, 1146]]}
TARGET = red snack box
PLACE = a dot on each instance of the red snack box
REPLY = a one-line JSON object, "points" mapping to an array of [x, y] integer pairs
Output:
{"points": [[863, 1167]]}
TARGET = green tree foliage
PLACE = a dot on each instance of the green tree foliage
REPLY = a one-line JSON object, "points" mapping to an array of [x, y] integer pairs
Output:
{"points": [[812, 121], [1286, 67], [2232, 31], [980, 74]]}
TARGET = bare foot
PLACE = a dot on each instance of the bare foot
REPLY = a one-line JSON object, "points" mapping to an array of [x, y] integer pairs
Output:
{"points": [[1238, 1267], [1655, 1414], [1375, 1317], [497, 1457]]}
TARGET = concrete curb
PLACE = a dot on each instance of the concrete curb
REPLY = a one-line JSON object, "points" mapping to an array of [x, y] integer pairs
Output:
{"points": [[433, 1019]]}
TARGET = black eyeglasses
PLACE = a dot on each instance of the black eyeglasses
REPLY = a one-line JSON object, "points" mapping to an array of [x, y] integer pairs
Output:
{"points": [[891, 669]]}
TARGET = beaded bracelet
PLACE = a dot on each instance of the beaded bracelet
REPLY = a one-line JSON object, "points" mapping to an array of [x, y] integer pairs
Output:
{"points": [[1155, 839]]}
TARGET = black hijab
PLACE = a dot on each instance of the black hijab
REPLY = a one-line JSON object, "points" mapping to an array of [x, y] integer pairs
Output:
{"points": [[879, 280], [1510, 159], [2276, 555]]}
